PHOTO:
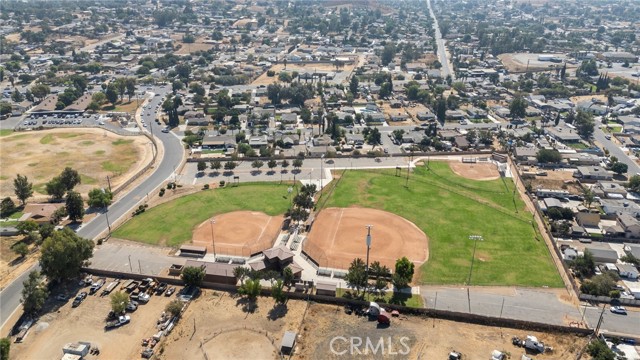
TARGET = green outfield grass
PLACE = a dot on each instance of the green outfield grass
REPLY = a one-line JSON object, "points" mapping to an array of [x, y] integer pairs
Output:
{"points": [[449, 209], [172, 223]]}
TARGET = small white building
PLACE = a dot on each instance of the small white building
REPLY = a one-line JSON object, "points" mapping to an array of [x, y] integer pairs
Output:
{"points": [[628, 271]]}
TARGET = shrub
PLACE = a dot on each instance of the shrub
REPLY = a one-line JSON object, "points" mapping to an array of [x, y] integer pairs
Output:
{"points": [[161, 192], [222, 182], [205, 187]]}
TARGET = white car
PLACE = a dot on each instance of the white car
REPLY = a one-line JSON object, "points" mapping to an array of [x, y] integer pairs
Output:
{"points": [[618, 310]]}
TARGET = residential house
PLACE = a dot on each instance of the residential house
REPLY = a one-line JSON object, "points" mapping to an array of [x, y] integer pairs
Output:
{"points": [[609, 189], [563, 134], [218, 142], [426, 116], [526, 155], [614, 207], [632, 249], [603, 256], [628, 271], [593, 173], [40, 213], [630, 225], [588, 219], [258, 141]]}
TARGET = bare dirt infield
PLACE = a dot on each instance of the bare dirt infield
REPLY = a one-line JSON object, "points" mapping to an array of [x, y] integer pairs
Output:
{"points": [[94, 153], [338, 236], [477, 171], [239, 233]]}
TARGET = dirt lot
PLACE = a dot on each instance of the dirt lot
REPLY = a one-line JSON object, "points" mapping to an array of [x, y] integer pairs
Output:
{"points": [[413, 111], [555, 180], [300, 68], [337, 233], [239, 233], [414, 338], [388, 111], [218, 322], [517, 62], [86, 323], [477, 171], [96, 154]]}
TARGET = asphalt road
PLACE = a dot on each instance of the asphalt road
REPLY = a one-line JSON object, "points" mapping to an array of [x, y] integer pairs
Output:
{"points": [[10, 296], [442, 50], [623, 324], [173, 152], [614, 150]]}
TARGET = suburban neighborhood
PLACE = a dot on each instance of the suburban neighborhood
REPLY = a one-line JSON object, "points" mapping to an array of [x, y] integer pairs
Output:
{"points": [[319, 179]]}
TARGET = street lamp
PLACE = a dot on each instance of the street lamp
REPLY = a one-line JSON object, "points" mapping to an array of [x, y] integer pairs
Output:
{"points": [[321, 169], [213, 239], [368, 242], [289, 191]]}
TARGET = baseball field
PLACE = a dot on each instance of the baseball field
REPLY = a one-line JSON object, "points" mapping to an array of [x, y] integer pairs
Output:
{"points": [[449, 209]]}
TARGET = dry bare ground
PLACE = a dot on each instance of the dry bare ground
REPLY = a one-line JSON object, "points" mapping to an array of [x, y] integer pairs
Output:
{"points": [[477, 171], [414, 337], [300, 68], [217, 324], [95, 153]]}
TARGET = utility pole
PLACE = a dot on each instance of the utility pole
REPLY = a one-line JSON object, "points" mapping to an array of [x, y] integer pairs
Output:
{"points": [[213, 239], [368, 242], [130, 267], [109, 183]]}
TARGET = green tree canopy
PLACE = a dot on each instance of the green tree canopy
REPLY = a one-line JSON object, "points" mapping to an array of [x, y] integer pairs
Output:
{"points": [[34, 293], [403, 274], [193, 276], [22, 188], [119, 301], [100, 198], [75, 206], [63, 253]]}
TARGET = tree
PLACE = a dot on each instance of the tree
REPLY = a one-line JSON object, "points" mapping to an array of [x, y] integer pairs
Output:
{"points": [[63, 253], [287, 275], [271, 164], [74, 206], [5, 108], [55, 188], [5, 346], [403, 274], [229, 165], [584, 124], [240, 273], [99, 98], [7, 207], [69, 178], [397, 135], [284, 77], [22, 188], [285, 164], [277, 292], [619, 168], [546, 156], [584, 265], [297, 163], [215, 165], [100, 198], [34, 293], [16, 96], [441, 109], [111, 94], [634, 183], [119, 301], [257, 164], [40, 91], [201, 166], [353, 85], [388, 53], [174, 307], [518, 107], [250, 288], [589, 196], [356, 277], [193, 276], [21, 249], [599, 350], [26, 227]]}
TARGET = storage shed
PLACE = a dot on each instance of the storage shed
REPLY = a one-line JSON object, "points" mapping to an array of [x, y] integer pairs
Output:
{"points": [[288, 342], [327, 289]]}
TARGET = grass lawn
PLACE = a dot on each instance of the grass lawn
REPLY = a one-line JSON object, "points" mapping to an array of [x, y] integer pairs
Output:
{"points": [[613, 129], [5, 132], [172, 223], [410, 300], [577, 146], [449, 209]]}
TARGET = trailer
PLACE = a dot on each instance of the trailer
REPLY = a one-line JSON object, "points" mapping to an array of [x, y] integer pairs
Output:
{"points": [[112, 285], [131, 286]]}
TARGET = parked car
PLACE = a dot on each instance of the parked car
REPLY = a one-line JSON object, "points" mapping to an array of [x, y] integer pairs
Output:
{"points": [[170, 291], [132, 306], [161, 288], [148, 353], [618, 310], [79, 299], [143, 298]]}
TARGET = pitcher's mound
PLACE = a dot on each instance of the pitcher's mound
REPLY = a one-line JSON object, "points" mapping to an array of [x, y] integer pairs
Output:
{"points": [[338, 236], [475, 171], [238, 233]]}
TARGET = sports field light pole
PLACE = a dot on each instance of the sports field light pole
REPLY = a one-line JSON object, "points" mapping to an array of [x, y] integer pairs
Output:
{"points": [[213, 239], [368, 242], [475, 239]]}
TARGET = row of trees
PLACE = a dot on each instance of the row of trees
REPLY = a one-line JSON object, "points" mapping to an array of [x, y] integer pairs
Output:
{"points": [[359, 279]]}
